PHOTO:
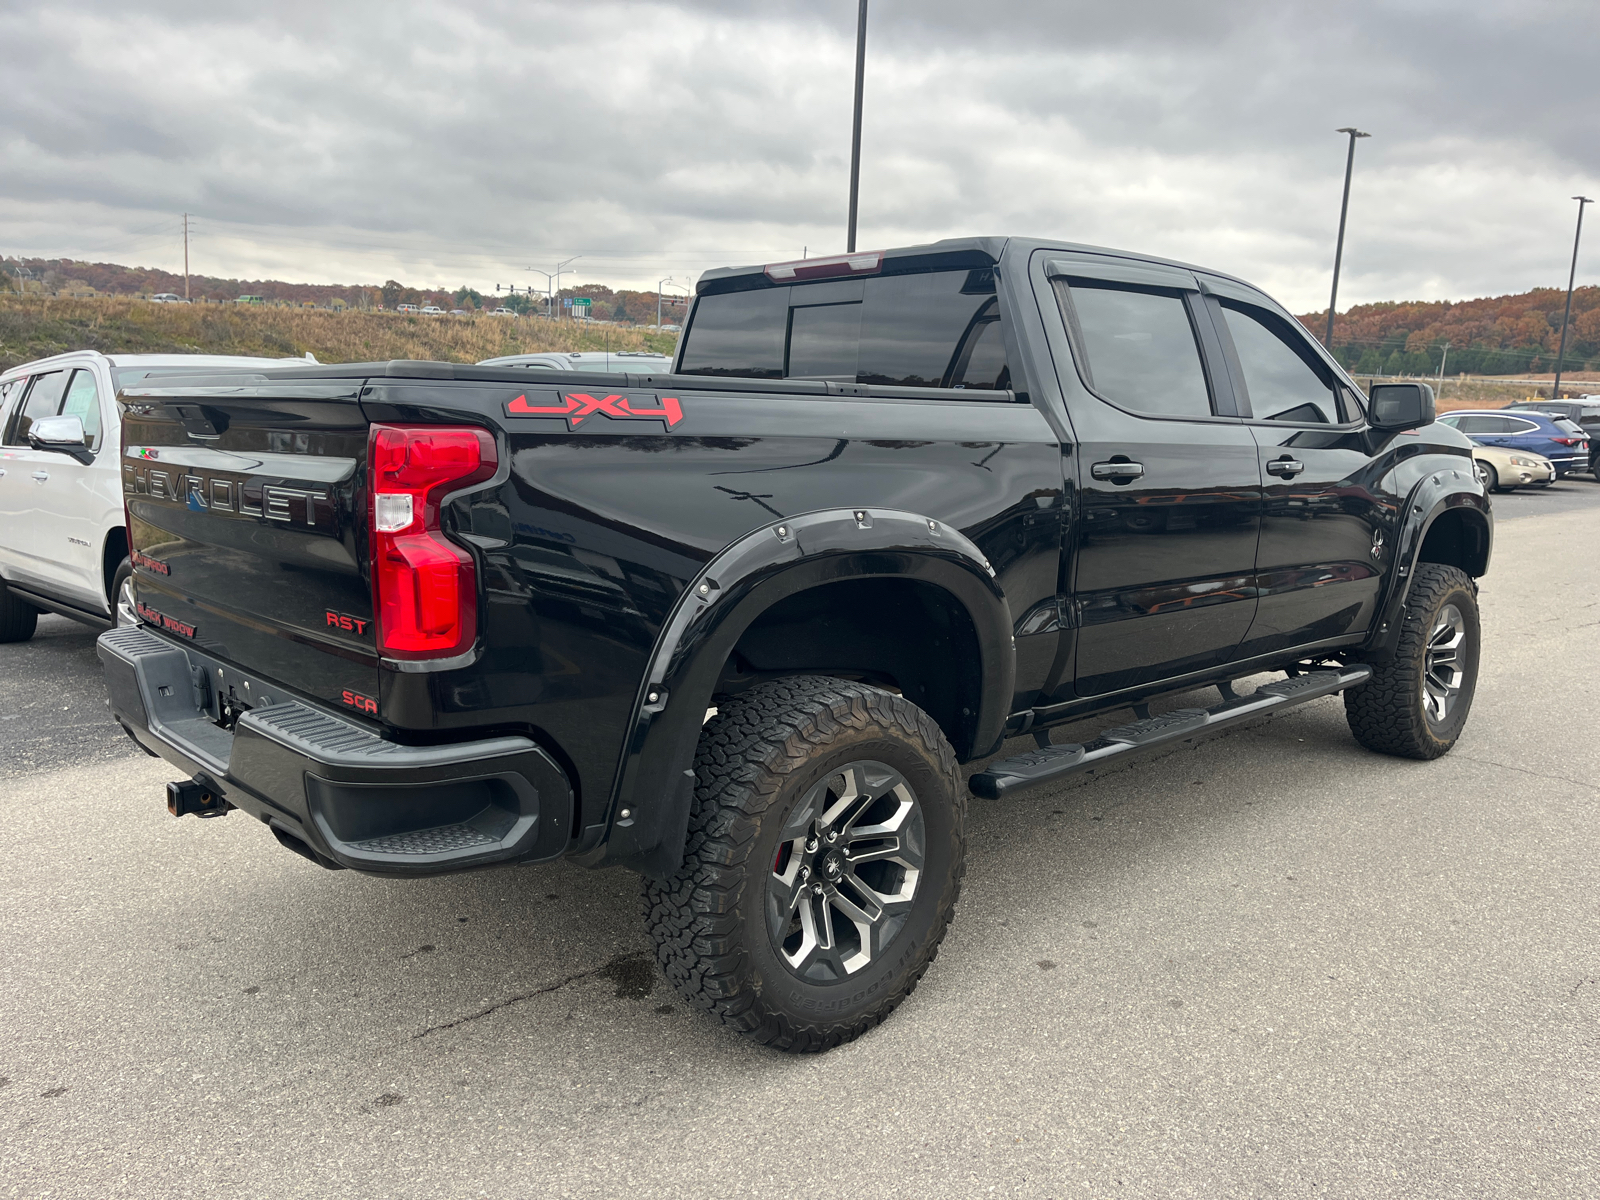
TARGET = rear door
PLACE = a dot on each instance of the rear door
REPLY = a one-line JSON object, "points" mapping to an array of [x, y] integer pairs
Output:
{"points": [[1171, 499], [1320, 561], [1523, 433]]}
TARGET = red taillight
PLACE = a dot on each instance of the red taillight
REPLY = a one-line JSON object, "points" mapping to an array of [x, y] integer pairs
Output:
{"points": [[1567, 441], [424, 587]]}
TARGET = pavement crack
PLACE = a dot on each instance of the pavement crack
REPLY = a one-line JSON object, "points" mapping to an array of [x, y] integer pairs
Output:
{"points": [[619, 968], [1489, 762]]}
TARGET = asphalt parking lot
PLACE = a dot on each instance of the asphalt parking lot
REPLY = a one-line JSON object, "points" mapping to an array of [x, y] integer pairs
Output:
{"points": [[1270, 965]]}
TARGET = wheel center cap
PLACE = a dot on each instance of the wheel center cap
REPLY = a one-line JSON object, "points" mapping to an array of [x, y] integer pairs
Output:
{"points": [[830, 867]]}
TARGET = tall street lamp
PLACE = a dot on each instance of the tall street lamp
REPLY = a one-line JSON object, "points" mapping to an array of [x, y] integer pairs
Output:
{"points": [[659, 285], [1561, 354], [1344, 209], [855, 129], [552, 283]]}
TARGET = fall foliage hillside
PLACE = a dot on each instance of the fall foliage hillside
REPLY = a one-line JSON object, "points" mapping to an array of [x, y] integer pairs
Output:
{"points": [[1498, 335]]}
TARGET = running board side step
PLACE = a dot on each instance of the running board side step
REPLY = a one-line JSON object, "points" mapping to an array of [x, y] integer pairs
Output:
{"points": [[1036, 768]]}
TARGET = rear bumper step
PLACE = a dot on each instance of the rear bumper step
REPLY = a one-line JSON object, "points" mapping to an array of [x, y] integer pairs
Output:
{"points": [[1009, 776], [351, 797]]}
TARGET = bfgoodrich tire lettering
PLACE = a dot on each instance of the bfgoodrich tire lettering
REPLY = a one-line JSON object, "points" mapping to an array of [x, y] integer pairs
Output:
{"points": [[762, 760], [1417, 704]]}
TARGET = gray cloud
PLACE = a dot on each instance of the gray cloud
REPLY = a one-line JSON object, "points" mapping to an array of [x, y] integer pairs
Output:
{"points": [[442, 144]]}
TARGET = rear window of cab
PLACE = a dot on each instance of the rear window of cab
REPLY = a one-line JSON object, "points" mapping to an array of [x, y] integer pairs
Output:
{"points": [[929, 329]]}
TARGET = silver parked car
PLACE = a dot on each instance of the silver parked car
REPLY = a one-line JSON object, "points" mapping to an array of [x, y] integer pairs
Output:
{"points": [[631, 362]]}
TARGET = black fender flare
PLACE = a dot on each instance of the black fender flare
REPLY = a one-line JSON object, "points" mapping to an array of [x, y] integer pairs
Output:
{"points": [[1447, 490], [647, 819]]}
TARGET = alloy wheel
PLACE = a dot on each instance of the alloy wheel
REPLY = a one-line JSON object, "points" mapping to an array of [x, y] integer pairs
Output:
{"points": [[127, 611], [1443, 670], [846, 871]]}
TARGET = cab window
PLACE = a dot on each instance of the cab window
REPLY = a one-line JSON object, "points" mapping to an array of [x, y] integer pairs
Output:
{"points": [[1283, 377], [43, 400], [83, 401], [927, 329], [1138, 346]]}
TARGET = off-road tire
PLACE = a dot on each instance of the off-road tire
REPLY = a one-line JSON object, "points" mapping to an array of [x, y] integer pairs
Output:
{"points": [[1388, 713], [17, 617], [757, 760]]}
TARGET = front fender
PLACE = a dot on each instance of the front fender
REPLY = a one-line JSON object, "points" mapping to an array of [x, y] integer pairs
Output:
{"points": [[645, 824], [1449, 490]]}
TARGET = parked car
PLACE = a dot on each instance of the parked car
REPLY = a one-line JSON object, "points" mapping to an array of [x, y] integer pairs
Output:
{"points": [[1524, 430], [737, 627], [407, 308], [1505, 470], [1584, 412], [432, 310], [503, 312], [637, 362], [1588, 440], [167, 298], [63, 543]]}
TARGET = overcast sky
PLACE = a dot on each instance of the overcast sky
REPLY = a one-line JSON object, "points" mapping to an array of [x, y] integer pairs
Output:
{"points": [[349, 141]]}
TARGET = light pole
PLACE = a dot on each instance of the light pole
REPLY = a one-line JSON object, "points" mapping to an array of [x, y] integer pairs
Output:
{"points": [[1561, 354], [674, 283], [550, 282], [659, 284], [855, 129], [1344, 209]]}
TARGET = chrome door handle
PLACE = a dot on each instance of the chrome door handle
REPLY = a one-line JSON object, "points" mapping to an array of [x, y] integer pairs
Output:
{"points": [[1287, 467], [41, 476], [1120, 471]]}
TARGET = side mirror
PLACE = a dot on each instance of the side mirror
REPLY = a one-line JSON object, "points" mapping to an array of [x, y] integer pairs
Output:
{"points": [[62, 434], [1393, 407]]}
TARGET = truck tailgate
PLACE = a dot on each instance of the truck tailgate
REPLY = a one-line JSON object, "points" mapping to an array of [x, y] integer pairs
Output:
{"points": [[246, 509]]}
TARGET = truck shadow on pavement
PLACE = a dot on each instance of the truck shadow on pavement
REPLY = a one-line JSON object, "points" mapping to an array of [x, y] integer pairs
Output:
{"points": [[548, 952]]}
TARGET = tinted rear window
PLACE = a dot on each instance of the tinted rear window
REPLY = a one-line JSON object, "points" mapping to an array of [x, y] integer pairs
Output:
{"points": [[738, 333], [935, 329]]}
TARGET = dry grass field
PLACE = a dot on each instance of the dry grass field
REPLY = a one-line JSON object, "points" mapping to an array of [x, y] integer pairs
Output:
{"points": [[35, 326], [1481, 392]]}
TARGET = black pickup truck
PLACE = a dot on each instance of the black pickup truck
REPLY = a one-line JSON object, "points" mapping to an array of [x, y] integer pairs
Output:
{"points": [[737, 628]]}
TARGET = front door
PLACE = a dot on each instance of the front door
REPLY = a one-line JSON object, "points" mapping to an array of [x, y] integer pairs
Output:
{"points": [[1170, 500], [1320, 562], [75, 502]]}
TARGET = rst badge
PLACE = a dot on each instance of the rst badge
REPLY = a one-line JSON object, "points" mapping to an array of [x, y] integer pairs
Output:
{"points": [[577, 407], [347, 623]]}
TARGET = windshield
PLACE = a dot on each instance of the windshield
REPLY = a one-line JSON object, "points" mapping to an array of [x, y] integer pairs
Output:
{"points": [[1567, 426]]}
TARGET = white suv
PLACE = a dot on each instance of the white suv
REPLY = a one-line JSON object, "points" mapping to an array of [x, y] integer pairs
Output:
{"points": [[63, 543]]}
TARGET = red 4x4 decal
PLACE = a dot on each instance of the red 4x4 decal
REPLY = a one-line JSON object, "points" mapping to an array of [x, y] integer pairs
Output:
{"points": [[575, 406]]}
